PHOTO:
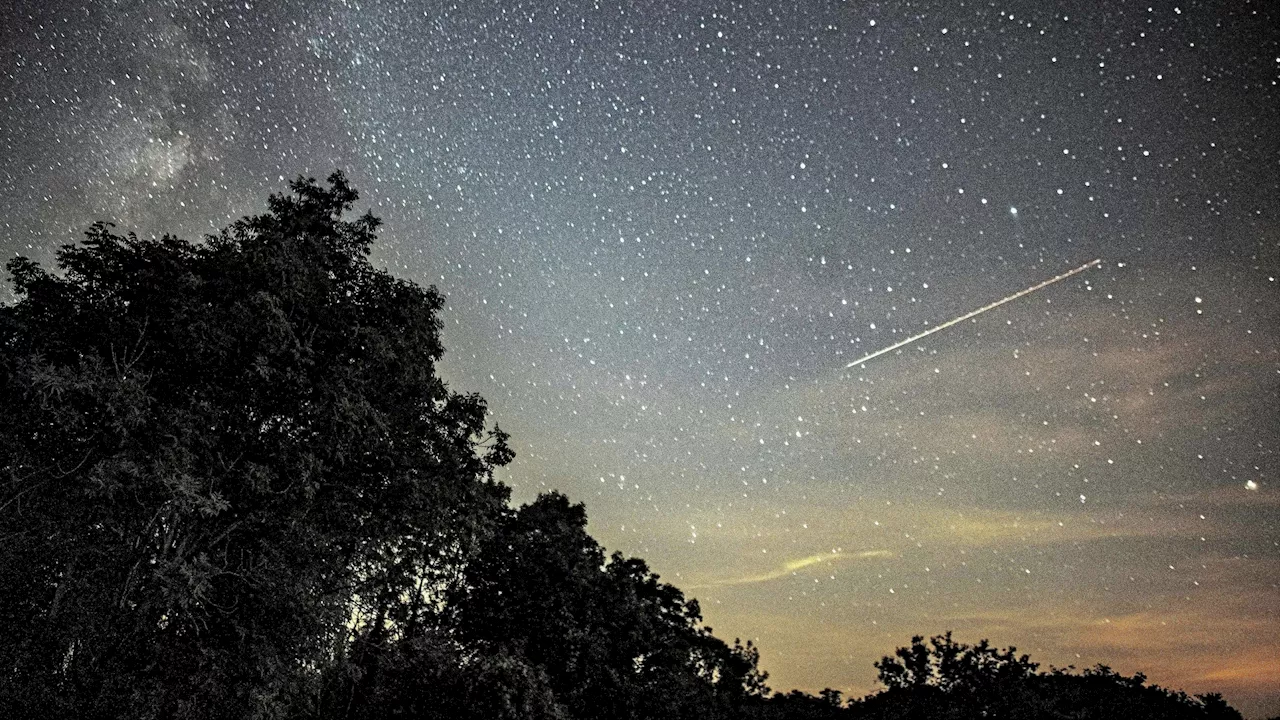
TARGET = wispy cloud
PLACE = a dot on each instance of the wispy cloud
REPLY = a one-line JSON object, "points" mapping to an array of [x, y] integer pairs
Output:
{"points": [[795, 566]]}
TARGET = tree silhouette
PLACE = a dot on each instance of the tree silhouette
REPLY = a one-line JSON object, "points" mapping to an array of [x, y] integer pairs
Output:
{"points": [[614, 640], [213, 455], [948, 679]]}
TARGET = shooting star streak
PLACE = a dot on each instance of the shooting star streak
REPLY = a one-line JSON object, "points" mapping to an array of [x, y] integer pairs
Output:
{"points": [[979, 311]]}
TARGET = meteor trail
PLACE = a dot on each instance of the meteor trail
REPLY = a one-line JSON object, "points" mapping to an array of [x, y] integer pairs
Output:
{"points": [[979, 311]]}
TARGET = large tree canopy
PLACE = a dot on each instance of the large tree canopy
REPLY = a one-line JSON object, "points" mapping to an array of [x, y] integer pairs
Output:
{"points": [[213, 454]]}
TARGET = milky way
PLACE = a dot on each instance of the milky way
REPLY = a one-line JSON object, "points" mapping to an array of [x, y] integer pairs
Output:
{"points": [[665, 229]]}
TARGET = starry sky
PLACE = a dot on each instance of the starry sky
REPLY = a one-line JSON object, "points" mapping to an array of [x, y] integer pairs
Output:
{"points": [[665, 228]]}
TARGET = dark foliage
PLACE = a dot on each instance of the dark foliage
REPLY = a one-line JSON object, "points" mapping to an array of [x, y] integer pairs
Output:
{"points": [[947, 679], [212, 455], [615, 641], [232, 486], [541, 625]]}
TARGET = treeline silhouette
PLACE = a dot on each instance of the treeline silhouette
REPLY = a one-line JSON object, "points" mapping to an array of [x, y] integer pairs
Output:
{"points": [[233, 486]]}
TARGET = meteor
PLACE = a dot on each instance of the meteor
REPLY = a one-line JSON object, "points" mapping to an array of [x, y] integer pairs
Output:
{"points": [[977, 312]]}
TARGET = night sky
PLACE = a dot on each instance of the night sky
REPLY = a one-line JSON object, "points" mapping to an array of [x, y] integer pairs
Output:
{"points": [[665, 228]]}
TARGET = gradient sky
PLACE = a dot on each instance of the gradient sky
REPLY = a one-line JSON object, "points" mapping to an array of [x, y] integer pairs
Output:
{"points": [[665, 228]]}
